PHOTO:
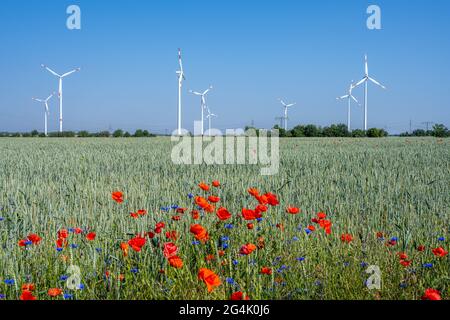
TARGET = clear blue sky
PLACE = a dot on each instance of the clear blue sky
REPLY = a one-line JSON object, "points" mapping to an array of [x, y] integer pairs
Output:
{"points": [[252, 52]]}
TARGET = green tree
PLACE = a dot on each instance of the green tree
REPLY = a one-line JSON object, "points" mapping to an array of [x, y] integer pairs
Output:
{"points": [[439, 131], [118, 133], [83, 134]]}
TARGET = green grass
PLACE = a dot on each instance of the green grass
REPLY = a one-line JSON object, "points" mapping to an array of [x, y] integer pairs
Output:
{"points": [[398, 186]]}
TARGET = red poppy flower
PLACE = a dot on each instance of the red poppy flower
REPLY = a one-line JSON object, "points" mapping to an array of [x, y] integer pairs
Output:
{"points": [[27, 295], [405, 263], [91, 236], [117, 196], [137, 243], [262, 199], [61, 242], [172, 235], [223, 214], [209, 208], [54, 292], [421, 248], [34, 238], [272, 199], [402, 255], [439, 252], [77, 230], [221, 253], [134, 215], [216, 184], [22, 243], [210, 257], [176, 218], [247, 249], [211, 279], [248, 214], [204, 186], [176, 262], [346, 238], [151, 235], [201, 202], [160, 225], [266, 270], [142, 212], [321, 215], [380, 235], [213, 199], [239, 296], [311, 228], [195, 214], [431, 294], [170, 250], [63, 233], [250, 226], [261, 208], [28, 286], [199, 232], [292, 210], [124, 246], [254, 192]]}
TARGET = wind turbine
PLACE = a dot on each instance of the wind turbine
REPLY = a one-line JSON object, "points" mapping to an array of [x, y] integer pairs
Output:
{"points": [[209, 116], [366, 80], [286, 106], [46, 112], [203, 102], [349, 97], [181, 77], [60, 94]]}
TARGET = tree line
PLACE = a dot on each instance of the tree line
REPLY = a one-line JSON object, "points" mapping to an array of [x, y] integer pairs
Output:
{"points": [[439, 131], [139, 133], [335, 130]]}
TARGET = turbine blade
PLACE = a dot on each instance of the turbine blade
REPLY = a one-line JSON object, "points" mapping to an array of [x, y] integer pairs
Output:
{"points": [[343, 97], [360, 83], [50, 70], [354, 99], [377, 83], [70, 72], [366, 65]]}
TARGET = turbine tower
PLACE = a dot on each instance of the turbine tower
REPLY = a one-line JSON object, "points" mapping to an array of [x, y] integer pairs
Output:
{"points": [[349, 96], [46, 111], [209, 116], [60, 94], [286, 106], [366, 80], [203, 103], [181, 77]]}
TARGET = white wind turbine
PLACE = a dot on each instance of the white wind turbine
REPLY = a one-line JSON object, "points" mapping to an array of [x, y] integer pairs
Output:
{"points": [[366, 80], [60, 94], [203, 103], [181, 77], [46, 111], [349, 96], [286, 106], [209, 116]]}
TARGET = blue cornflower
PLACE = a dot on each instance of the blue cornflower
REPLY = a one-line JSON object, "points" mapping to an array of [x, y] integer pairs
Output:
{"points": [[235, 262], [165, 209], [74, 246], [28, 242], [259, 219], [225, 246], [98, 250], [190, 195], [230, 281], [364, 264], [295, 238], [59, 249], [195, 242], [174, 207], [307, 231], [1, 218], [134, 270], [229, 226], [63, 278], [9, 282], [441, 239], [258, 228], [403, 285], [225, 238], [2, 296], [81, 286], [317, 283], [427, 265], [71, 229], [394, 239], [300, 259], [346, 264], [68, 296], [299, 228], [278, 258]]}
